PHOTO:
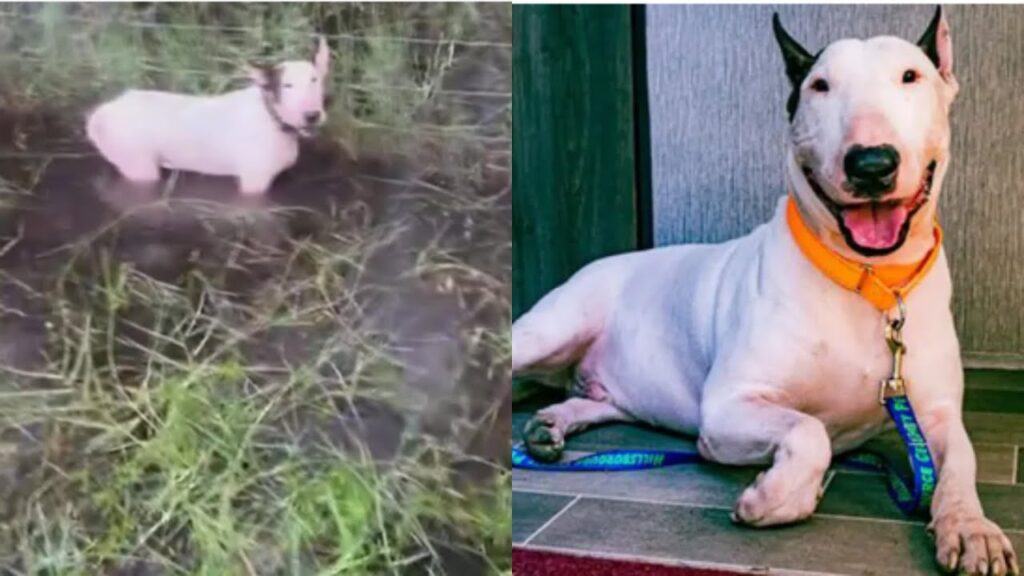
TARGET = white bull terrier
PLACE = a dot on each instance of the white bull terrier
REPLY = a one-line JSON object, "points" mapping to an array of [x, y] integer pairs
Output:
{"points": [[251, 134], [770, 347]]}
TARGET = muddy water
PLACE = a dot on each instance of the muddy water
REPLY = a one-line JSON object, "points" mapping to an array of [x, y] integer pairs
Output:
{"points": [[66, 195], [75, 195]]}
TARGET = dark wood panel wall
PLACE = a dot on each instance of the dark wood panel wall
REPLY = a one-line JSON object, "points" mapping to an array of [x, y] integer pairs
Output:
{"points": [[574, 161]]}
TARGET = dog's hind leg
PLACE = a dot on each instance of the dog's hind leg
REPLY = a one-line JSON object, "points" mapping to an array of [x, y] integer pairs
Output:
{"points": [[546, 432], [549, 338], [752, 430], [135, 165], [128, 156], [557, 332]]}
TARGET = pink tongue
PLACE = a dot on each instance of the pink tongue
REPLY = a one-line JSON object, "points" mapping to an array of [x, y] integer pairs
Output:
{"points": [[875, 225]]}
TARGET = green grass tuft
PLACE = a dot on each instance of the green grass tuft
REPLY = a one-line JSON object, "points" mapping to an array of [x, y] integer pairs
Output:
{"points": [[257, 412]]}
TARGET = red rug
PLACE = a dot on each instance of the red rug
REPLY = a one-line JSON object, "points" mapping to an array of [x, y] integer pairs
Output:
{"points": [[541, 563]]}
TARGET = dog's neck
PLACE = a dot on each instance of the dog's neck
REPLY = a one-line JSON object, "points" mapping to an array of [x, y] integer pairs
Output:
{"points": [[882, 285], [920, 237], [268, 104]]}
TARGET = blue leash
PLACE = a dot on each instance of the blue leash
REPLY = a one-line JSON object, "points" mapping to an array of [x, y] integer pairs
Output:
{"points": [[913, 495]]}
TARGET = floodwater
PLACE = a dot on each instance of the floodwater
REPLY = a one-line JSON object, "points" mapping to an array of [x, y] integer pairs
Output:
{"points": [[68, 195]]}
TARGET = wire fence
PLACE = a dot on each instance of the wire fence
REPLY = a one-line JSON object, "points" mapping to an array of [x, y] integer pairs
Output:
{"points": [[226, 68], [28, 54], [253, 30]]}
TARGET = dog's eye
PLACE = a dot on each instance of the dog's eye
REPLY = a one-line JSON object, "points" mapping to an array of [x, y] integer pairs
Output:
{"points": [[819, 85], [910, 76]]}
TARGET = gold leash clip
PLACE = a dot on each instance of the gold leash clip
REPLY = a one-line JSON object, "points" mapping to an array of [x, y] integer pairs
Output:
{"points": [[895, 385]]}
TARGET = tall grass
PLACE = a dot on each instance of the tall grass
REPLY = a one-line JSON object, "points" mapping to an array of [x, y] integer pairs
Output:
{"points": [[387, 73], [172, 438], [254, 413]]}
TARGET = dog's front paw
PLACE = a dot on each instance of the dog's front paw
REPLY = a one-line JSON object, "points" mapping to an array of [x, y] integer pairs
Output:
{"points": [[972, 544], [777, 498], [544, 441]]}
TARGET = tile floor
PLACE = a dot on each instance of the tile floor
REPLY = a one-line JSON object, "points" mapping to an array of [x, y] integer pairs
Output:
{"points": [[681, 514]]}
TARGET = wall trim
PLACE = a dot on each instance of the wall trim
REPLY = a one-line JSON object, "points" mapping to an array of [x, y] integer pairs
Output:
{"points": [[993, 360]]}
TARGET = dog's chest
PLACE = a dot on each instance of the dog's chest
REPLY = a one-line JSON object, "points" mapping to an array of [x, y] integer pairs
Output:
{"points": [[845, 399], [279, 151], [837, 376]]}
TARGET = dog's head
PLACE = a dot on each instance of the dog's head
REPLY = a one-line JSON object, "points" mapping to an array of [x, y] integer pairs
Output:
{"points": [[869, 137], [295, 89]]}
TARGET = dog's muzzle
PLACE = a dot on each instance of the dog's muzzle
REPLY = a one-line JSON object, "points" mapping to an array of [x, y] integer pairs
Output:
{"points": [[312, 123], [871, 171], [875, 226]]}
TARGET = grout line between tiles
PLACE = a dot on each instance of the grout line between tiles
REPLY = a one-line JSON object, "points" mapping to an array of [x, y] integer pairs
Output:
{"points": [[828, 482], [837, 470], [698, 505], [552, 519], [681, 503]]}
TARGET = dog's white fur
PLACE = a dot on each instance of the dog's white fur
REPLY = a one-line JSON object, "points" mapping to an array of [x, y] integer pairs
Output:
{"points": [[232, 134], [752, 348]]}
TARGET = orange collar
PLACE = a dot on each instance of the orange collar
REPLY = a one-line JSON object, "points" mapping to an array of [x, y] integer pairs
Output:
{"points": [[879, 285]]}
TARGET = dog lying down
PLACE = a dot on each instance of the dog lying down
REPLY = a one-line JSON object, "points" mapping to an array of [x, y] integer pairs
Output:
{"points": [[251, 134], [771, 348]]}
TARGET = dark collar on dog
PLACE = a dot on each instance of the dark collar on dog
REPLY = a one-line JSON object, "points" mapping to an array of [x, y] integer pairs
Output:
{"points": [[269, 105]]}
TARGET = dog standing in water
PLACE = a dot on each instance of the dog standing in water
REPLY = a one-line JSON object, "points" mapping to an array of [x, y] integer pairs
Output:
{"points": [[251, 134], [770, 347]]}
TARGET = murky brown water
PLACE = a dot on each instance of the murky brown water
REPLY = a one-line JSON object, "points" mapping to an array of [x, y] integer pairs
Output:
{"points": [[71, 195]]}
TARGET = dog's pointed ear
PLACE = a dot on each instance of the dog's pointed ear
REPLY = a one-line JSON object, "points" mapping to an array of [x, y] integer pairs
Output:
{"points": [[322, 56], [798, 60], [938, 46], [257, 73], [264, 75]]}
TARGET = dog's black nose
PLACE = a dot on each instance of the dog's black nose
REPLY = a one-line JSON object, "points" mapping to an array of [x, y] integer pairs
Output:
{"points": [[871, 171], [312, 117]]}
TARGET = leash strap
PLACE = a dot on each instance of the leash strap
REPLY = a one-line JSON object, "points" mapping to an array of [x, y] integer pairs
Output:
{"points": [[608, 461], [913, 494]]}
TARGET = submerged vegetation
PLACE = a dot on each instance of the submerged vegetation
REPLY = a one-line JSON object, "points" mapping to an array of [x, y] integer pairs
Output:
{"points": [[317, 386]]}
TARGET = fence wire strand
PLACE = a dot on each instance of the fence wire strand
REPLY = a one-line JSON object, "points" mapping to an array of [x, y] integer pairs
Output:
{"points": [[35, 56], [253, 30], [27, 56]]}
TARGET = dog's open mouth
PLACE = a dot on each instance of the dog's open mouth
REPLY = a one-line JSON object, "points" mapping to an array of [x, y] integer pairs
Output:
{"points": [[875, 227]]}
